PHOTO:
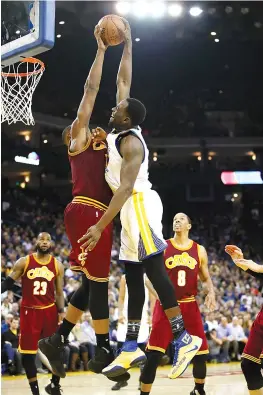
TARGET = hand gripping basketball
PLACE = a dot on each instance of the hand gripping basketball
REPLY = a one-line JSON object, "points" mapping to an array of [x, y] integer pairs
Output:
{"points": [[98, 135]]}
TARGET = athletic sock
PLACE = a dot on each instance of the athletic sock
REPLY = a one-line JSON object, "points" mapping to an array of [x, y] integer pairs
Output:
{"points": [[177, 325], [65, 328], [133, 330], [34, 387], [103, 341], [55, 380], [200, 388]]}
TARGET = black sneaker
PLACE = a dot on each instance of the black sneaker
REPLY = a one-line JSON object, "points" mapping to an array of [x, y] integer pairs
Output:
{"points": [[119, 385], [102, 358], [196, 392], [123, 377], [53, 389], [53, 348]]}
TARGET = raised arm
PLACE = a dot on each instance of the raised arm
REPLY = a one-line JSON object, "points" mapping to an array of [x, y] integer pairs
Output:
{"points": [[79, 136], [59, 283], [132, 152], [124, 77], [204, 275], [17, 272]]}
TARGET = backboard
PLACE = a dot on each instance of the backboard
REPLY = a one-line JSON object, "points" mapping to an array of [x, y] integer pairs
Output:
{"points": [[28, 28]]}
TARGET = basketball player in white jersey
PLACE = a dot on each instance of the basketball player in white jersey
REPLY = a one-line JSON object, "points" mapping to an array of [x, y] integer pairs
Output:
{"points": [[123, 320], [141, 236]]}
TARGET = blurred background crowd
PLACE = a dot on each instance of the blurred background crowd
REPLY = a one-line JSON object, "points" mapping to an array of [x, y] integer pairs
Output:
{"points": [[239, 296]]}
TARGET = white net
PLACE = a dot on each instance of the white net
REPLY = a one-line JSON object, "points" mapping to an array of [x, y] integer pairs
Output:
{"points": [[18, 84]]}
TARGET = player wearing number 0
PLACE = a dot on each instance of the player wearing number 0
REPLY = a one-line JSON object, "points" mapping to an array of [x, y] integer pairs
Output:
{"points": [[185, 260], [252, 357], [42, 299]]}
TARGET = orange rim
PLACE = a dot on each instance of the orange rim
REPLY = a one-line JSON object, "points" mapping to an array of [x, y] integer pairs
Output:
{"points": [[28, 60]]}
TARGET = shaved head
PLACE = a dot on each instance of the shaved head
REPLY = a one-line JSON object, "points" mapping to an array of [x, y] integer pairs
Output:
{"points": [[43, 244]]}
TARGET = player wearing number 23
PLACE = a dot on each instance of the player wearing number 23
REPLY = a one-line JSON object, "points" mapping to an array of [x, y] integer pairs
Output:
{"points": [[42, 294]]}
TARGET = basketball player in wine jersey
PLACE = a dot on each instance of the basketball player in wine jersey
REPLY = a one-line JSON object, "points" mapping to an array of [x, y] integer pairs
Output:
{"points": [[91, 196], [42, 279], [185, 260], [141, 237], [252, 357]]}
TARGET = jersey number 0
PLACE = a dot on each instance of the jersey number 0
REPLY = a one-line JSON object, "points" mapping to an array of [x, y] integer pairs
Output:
{"points": [[40, 288]]}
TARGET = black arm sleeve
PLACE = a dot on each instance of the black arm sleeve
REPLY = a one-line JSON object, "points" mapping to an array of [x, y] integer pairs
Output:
{"points": [[7, 284], [259, 276]]}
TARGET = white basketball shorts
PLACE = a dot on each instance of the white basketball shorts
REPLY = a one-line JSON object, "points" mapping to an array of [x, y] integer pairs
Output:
{"points": [[141, 234]]}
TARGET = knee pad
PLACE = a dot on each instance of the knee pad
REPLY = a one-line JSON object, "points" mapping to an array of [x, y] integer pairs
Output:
{"points": [[80, 298], [252, 373], [136, 290], [98, 300], [199, 366], [150, 367], [29, 364]]}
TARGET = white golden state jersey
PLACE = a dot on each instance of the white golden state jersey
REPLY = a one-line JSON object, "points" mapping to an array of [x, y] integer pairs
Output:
{"points": [[113, 169]]}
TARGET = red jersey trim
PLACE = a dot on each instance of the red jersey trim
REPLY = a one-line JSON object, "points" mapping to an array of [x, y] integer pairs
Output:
{"points": [[199, 254], [83, 149], [89, 202], [39, 307], [26, 265], [41, 263], [190, 245], [89, 276]]}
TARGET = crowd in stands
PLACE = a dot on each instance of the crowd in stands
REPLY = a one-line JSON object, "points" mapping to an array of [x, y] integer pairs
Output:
{"points": [[239, 296]]}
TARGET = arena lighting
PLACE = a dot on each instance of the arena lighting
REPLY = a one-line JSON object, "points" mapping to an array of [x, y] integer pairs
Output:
{"points": [[45, 141], [58, 35], [62, 22], [254, 157], [199, 158], [235, 195], [216, 40], [175, 10], [27, 178], [241, 177], [158, 9], [140, 8], [137, 39], [23, 185], [18, 32], [123, 7], [195, 11], [27, 137], [213, 33], [32, 159]]}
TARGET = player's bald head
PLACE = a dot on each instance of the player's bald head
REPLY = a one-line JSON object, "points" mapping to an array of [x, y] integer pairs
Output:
{"points": [[181, 223], [44, 235]]}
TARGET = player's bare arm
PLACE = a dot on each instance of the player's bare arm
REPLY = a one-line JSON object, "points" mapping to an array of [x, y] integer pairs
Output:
{"points": [[204, 275], [79, 128], [124, 77], [132, 153], [121, 299], [15, 275], [59, 283]]}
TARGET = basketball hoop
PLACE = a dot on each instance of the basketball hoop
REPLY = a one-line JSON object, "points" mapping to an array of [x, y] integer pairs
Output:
{"points": [[18, 84]]}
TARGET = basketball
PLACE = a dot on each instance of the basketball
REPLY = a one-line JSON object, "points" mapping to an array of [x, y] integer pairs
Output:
{"points": [[113, 28]]}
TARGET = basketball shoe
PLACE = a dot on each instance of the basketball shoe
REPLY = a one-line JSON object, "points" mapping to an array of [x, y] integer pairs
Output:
{"points": [[185, 348], [52, 389], [129, 357]]}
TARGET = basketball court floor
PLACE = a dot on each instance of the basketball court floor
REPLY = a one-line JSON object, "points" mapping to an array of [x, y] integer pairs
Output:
{"points": [[223, 379]]}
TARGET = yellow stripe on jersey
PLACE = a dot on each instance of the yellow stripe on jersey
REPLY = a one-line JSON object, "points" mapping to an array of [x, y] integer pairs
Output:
{"points": [[143, 224], [89, 202], [26, 265], [187, 300], [251, 358]]}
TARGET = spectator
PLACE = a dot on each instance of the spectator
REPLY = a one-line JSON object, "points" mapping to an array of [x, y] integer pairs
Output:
{"points": [[238, 338], [224, 334], [10, 348], [214, 344]]}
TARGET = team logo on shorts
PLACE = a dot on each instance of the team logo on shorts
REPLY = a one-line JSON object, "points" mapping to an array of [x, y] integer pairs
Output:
{"points": [[82, 257]]}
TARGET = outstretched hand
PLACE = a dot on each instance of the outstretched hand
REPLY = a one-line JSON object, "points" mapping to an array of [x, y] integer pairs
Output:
{"points": [[97, 34], [234, 251], [90, 238]]}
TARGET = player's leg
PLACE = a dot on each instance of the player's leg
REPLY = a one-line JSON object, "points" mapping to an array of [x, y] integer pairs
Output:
{"points": [[199, 373], [160, 337], [30, 318], [251, 357], [53, 347]]}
